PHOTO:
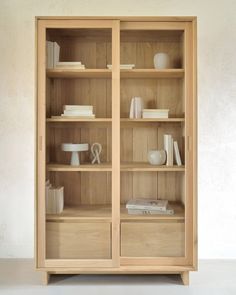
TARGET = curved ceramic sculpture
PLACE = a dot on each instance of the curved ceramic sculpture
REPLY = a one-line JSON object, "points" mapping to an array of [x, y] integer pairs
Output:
{"points": [[74, 148], [157, 157]]}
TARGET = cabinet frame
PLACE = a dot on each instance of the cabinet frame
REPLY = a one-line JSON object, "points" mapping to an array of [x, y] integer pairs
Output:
{"points": [[118, 264]]}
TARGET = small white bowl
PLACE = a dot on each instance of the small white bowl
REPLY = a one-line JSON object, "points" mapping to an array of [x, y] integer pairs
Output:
{"points": [[157, 157]]}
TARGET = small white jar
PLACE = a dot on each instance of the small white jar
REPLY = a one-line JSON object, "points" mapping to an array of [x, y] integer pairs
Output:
{"points": [[161, 61], [157, 157]]}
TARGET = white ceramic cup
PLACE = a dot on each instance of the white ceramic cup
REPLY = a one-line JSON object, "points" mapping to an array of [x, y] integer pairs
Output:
{"points": [[157, 157], [161, 60]]}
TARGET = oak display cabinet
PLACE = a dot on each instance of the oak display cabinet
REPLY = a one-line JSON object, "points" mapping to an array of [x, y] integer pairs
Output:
{"points": [[94, 234]]}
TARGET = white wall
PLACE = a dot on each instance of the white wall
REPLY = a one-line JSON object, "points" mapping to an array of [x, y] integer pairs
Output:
{"points": [[217, 109]]}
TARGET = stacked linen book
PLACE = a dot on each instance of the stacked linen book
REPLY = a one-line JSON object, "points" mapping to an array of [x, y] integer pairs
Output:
{"points": [[81, 111], [123, 66], [54, 199], [155, 114], [172, 150], [148, 207], [70, 65], [52, 54]]}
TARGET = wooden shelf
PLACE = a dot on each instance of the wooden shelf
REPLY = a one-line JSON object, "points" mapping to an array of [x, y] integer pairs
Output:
{"points": [[74, 119], [83, 213], [152, 73], [76, 73], [127, 120], [82, 167], [103, 213], [141, 166], [107, 73]]}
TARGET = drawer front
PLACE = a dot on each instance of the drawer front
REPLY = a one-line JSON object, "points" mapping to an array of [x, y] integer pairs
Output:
{"points": [[152, 239], [78, 240]]}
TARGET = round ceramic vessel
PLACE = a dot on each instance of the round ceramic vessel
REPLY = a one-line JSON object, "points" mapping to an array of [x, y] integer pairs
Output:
{"points": [[157, 157], [161, 61], [74, 147]]}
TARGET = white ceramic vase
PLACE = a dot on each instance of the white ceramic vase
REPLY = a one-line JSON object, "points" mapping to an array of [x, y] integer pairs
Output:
{"points": [[161, 61], [157, 157]]}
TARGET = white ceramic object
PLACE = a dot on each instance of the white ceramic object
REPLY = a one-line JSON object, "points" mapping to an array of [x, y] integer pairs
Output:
{"points": [[136, 108], [157, 157], [161, 61], [74, 148]]}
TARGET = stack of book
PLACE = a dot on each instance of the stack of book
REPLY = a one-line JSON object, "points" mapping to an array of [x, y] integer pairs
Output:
{"points": [[148, 207], [172, 149], [70, 65], [54, 199], [52, 54], [123, 66], [155, 114], [81, 111]]}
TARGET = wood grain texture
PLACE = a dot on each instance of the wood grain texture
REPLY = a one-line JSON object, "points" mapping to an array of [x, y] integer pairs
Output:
{"points": [[152, 239], [78, 241]]}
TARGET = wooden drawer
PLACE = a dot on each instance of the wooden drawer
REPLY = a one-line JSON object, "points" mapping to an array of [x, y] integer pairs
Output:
{"points": [[78, 240], [152, 239]]}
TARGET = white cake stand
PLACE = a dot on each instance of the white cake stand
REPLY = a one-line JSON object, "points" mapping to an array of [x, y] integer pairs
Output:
{"points": [[74, 148]]}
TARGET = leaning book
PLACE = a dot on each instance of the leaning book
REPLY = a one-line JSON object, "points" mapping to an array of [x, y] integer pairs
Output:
{"points": [[147, 204]]}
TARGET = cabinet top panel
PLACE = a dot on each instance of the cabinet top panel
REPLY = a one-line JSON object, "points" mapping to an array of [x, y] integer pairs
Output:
{"points": [[125, 18]]}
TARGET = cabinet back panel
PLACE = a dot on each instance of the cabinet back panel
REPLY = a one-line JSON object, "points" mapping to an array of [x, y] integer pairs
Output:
{"points": [[77, 134], [152, 185], [95, 92], [137, 141], [156, 93], [84, 188]]}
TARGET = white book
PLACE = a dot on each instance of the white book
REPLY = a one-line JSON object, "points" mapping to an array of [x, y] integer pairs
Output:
{"points": [[78, 112], [177, 154], [69, 63], [123, 66], [131, 111], [76, 117], [56, 53], [79, 67], [155, 113], [49, 54], [150, 212], [78, 107], [59, 201], [147, 204], [168, 147]]}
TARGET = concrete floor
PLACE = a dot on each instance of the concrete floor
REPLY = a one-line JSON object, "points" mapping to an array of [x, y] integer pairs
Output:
{"points": [[17, 276]]}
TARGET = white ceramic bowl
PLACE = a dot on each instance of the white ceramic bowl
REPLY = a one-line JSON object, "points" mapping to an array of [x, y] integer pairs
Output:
{"points": [[74, 147], [161, 61], [157, 157]]}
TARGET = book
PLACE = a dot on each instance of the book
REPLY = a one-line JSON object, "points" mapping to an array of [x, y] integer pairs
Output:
{"points": [[123, 66], [52, 54], [78, 107], [76, 117], [155, 113], [69, 63], [78, 67], [136, 107], [150, 212], [177, 154], [78, 112], [54, 198], [56, 53], [168, 147], [147, 204]]}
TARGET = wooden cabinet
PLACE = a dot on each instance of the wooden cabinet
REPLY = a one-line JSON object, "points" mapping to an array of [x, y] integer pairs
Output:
{"points": [[95, 233]]}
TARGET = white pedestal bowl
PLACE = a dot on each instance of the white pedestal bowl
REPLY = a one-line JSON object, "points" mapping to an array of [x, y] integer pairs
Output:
{"points": [[74, 148]]}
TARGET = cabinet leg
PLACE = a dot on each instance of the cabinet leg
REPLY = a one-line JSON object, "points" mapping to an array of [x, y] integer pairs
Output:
{"points": [[185, 277], [46, 277]]}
